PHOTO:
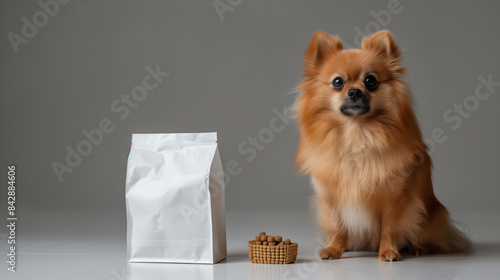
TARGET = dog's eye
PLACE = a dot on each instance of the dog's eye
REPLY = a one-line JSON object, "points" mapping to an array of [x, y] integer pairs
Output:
{"points": [[371, 83], [338, 83]]}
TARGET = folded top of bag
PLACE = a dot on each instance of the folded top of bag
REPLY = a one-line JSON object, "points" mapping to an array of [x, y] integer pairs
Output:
{"points": [[174, 138]]}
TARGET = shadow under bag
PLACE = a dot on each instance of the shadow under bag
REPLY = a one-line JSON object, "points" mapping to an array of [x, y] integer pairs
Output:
{"points": [[175, 199]]}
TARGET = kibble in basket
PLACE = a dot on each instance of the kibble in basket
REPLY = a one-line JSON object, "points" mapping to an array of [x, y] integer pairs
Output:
{"points": [[270, 249]]}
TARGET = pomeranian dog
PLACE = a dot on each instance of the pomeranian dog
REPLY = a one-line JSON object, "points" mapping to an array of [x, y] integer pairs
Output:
{"points": [[361, 143]]}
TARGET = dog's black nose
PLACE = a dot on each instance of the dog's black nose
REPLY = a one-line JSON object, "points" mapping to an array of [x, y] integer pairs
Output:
{"points": [[354, 94]]}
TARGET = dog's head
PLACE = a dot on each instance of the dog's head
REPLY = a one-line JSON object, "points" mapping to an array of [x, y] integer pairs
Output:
{"points": [[355, 83]]}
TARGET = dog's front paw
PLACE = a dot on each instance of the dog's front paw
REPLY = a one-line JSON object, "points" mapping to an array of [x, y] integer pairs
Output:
{"points": [[330, 253], [389, 255]]}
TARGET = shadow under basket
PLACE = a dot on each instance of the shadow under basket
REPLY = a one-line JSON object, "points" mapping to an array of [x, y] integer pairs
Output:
{"points": [[272, 254]]}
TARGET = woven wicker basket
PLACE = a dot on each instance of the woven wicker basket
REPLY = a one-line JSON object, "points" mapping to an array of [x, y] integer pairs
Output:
{"points": [[272, 254]]}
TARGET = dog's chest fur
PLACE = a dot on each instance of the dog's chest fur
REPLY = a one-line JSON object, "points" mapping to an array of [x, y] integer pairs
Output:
{"points": [[360, 226]]}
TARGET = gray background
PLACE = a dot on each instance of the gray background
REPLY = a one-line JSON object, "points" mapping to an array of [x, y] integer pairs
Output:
{"points": [[225, 76]]}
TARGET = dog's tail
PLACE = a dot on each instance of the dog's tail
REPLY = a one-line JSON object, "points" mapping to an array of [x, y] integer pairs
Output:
{"points": [[445, 237]]}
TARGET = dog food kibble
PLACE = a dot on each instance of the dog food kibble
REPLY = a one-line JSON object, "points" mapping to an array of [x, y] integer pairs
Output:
{"points": [[269, 240]]}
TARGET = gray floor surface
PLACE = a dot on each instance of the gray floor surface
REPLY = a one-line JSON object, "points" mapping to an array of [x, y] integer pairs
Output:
{"points": [[96, 249]]}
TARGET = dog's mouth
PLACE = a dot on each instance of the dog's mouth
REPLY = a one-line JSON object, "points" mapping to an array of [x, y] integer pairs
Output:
{"points": [[354, 110]]}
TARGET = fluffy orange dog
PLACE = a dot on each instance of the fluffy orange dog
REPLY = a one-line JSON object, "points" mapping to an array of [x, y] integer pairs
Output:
{"points": [[361, 143]]}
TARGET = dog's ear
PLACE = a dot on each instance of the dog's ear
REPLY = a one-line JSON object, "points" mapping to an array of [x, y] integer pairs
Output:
{"points": [[382, 44], [321, 46]]}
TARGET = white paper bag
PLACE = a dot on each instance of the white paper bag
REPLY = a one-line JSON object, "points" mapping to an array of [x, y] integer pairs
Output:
{"points": [[175, 199]]}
